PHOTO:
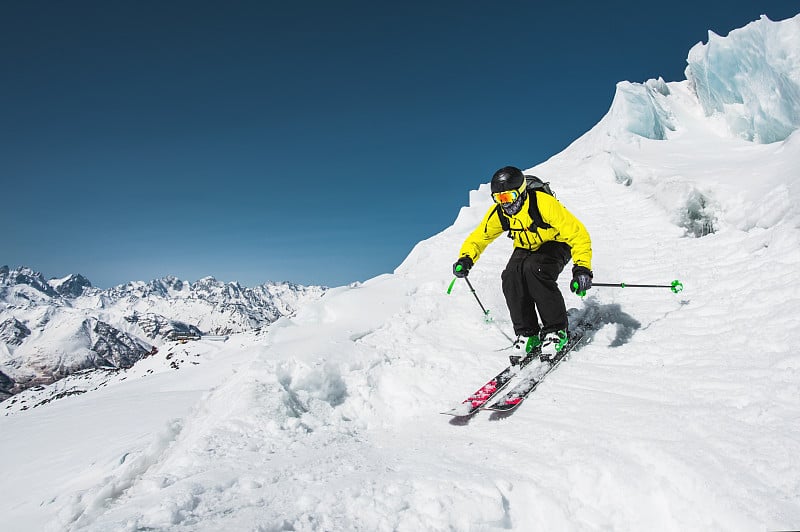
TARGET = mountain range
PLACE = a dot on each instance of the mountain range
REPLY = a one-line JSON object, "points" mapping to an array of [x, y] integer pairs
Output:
{"points": [[52, 328]]}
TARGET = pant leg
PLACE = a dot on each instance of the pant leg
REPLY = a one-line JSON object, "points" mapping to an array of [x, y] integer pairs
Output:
{"points": [[520, 303], [541, 270]]}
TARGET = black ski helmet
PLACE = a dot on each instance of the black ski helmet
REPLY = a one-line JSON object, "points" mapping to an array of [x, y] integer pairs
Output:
{"points": [[507, 178]]}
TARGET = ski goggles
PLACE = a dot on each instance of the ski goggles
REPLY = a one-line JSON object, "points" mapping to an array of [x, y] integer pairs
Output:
{"points": [[508, 196]]}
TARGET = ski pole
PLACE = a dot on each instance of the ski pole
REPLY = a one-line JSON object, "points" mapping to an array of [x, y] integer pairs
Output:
{"points": [[676, 286], [486, 312], [474, 293], [450, 289]]}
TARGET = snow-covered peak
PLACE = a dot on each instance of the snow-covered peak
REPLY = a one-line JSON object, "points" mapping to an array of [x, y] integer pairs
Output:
{"points": [[744, 86], [26, 276], [697, 147], [164, 287], [72, 285], [752, 78]]}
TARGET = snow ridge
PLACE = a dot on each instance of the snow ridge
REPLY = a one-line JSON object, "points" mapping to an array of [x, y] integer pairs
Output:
{"points": [[764, 108]]}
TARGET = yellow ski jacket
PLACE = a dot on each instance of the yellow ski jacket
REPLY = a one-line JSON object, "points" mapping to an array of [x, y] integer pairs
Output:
{"points": [[565, 228]]}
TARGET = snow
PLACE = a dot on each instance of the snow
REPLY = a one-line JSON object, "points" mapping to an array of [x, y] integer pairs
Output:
{"points": [[763, 53], [681, 414]]}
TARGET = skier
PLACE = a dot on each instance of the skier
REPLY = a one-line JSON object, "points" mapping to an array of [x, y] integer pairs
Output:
{"points": [[544, 241]]}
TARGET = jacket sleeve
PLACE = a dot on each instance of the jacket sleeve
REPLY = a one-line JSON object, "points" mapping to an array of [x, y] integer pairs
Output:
{"points": [[570, 230], [482, 236]]}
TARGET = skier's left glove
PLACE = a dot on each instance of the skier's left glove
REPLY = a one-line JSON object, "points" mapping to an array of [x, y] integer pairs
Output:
{"points": [[581, 280]]}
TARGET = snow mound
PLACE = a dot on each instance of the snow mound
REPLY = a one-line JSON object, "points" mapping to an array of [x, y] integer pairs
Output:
{"points": [[717, 150], [638, 109]]}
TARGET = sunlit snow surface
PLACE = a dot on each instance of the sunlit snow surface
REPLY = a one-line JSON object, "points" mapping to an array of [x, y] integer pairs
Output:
{"points": [[680, 415]]}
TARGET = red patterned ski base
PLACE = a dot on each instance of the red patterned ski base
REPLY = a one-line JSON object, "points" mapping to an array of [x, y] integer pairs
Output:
{"points": [[488, 391], [529, 380]]}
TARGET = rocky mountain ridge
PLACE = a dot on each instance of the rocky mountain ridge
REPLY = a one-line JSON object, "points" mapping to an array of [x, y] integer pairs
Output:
{"points": [[52, 328]]}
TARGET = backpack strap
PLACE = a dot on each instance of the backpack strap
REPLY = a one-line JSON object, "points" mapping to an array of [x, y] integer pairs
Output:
{"points": [[535, 214], [504, 223]]}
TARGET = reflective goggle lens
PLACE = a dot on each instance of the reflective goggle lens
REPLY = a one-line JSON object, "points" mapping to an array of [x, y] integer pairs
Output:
{"points": [[505, 197]]}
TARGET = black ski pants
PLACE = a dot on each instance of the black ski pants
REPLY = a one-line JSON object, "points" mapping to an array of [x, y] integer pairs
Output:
{"points": [[529, 284]]}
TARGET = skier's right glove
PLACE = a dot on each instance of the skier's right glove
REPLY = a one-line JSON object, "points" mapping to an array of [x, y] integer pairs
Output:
{"points": [[581, 280], [462, 266]]}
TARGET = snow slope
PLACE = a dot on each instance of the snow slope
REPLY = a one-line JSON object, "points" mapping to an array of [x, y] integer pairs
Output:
{"points": [[681, 414]]}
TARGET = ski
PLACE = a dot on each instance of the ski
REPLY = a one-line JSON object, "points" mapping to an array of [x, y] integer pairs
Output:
{"points": [[530, 379], [491, 389]]}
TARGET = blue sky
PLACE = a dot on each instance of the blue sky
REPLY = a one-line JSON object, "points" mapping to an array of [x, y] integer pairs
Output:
{"points": [[314, 142]]}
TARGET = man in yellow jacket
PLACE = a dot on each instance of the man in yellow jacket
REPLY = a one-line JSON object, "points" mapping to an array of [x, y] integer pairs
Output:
{"points": [[546, 236]]}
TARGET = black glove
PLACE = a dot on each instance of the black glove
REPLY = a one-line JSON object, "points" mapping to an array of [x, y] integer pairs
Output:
{"points": [[581, 280], [462, 266]]}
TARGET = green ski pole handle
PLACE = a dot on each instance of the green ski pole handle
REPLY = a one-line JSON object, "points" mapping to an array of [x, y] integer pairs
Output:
{"points": [[450, 288], [575, 287]]}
